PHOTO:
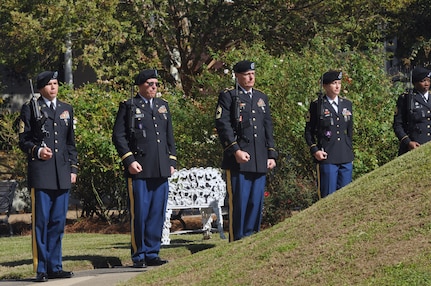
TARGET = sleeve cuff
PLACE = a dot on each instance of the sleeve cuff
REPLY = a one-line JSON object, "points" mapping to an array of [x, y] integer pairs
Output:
{"points": [[313, 149]]}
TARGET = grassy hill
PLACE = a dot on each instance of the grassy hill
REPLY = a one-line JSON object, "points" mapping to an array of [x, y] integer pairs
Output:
{"points": [[375, 231]]}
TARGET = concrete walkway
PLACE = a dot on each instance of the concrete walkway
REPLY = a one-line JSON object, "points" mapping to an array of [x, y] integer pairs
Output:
{"points": [[96, 277]]}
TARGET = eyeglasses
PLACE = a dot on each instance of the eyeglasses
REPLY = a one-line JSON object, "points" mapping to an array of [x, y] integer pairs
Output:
{"points": [[151, 83]]}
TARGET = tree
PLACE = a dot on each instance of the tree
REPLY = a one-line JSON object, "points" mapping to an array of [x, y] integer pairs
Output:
{"points": [[180, 38], [34, 33], [413, 34]]}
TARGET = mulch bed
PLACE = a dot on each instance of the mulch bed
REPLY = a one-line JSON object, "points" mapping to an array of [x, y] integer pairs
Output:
{"points": [[96, 225]]}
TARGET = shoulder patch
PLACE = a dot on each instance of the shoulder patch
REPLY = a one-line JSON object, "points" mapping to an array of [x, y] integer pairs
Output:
{"points": [[21, 126], [219, 111]]}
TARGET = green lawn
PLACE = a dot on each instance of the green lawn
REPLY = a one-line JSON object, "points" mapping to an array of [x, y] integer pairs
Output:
{"points": [[83, 251]]}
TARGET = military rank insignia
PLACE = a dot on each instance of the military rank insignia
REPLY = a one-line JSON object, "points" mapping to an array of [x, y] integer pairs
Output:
{"points": [[261, 103], [65, 117], [162, 109]]}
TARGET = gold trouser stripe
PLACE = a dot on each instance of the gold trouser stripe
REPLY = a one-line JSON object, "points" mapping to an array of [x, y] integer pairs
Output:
{"points": [[318, 181], [33, 228], [132, 213], [230, 194]]}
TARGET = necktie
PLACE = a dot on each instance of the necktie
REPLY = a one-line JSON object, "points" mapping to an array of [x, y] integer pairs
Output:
{"points": [[52, 106], [335, 106]]}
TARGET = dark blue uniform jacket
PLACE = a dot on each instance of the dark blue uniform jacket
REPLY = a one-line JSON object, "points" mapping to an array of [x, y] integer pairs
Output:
{"points": [[145, 135], [255, 134], [412, 120], [55, 173], [330, 130]]}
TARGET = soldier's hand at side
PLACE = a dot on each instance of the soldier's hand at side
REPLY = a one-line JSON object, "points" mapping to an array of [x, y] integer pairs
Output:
{"points": [[320, 155], [242, 156], [271, 164], [45, 153], [73, 178], [413, 145], [135, 168], [173, 170]]}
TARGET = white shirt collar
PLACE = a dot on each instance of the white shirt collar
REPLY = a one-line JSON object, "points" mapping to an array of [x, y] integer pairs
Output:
{"points": [[145, 99], [333, 100], [48, 102], [251, 90]]}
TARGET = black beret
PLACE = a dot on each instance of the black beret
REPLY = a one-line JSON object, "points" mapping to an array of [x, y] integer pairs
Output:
{"points": [[44, 77], [420, 73], [331, 75], [144, 75], [243, 66]]}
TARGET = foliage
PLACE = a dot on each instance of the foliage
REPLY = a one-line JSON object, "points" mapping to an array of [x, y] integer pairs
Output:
{"points": [[13, 163], [200, 39], [291, 82], [100, 187], [37, 32], [197, 146], [411, 32], [116, 38]]}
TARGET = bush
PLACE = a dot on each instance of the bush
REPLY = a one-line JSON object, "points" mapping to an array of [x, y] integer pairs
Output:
{"points": [[290, 81], [100, 185]]}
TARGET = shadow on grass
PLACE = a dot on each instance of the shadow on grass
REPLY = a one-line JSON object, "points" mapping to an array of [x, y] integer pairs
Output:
{"points": [[96, 260], [191, 245], [125, 245]]}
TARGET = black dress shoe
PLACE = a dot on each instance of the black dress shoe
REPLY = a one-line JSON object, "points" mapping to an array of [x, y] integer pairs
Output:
{"points": [[156, 262], [60, 274], [139, 264], [41, 277]]}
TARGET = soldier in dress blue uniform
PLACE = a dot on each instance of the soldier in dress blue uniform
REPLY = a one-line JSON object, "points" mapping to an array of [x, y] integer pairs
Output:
{"points": [[52, 168], [328, 133], [144, 139], [412, 119], [244, 126]]}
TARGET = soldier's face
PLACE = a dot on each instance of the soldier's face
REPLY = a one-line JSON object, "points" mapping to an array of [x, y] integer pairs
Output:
{"points": [[50, 90], [149, 88], [332, 89], [246, 79], [423, 86]]}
